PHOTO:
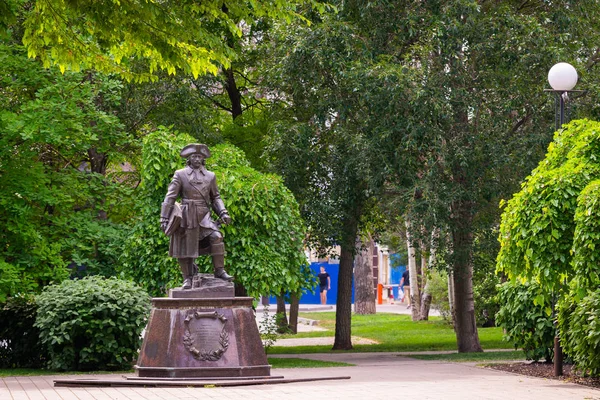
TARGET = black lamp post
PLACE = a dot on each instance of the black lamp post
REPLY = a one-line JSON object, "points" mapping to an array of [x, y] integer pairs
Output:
{"points": [[562, 78]]}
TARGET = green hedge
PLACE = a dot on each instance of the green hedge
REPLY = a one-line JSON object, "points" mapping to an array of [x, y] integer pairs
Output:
{"points": [[92, 324], [526, 319], [19, 339], [579, 327]]}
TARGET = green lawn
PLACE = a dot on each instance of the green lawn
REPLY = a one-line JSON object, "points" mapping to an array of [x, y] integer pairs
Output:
{"points": [[393, 332], [304, 363], [488, 356]]}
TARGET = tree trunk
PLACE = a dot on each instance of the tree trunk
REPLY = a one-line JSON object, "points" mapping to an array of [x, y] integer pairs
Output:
{"points": [[465, 325], [281, 316], [234, 94], [98, 163], [239, 290], [425, 303], [451, 294], [343, 314], [364, 294], [427, 297], [294, 308], [415, 296]]}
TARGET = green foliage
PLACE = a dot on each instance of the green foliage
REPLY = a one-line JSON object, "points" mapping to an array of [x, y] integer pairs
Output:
{"points": [[19, 339], [180, 102], [63, 192], [145, 258], [427, 99], [526, 317], [550, 233], [438, 287], [485, 281], [264, 243], [92, 323], [539, 223], [268, 329], [579, 327], [14, 280], [586, 238], [323, 142], [485, 286], [169, 36]]}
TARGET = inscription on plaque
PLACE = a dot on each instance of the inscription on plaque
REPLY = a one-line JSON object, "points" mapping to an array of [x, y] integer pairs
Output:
{"points": [[205, 335]]}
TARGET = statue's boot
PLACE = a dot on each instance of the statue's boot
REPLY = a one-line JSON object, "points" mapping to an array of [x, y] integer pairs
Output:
{"points": [[187, 271], [218, 258]]}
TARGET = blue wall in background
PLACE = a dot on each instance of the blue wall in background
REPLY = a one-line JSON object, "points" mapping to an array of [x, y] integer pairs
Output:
{"points": [[314, 298], [396, 272], [395, 276]]}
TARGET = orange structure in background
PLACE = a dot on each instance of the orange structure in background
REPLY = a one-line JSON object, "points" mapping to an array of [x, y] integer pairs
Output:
{"points": [[389, 295]]}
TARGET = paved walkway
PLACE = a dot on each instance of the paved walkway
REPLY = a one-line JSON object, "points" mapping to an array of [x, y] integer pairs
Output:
{"points": [[381, 376], [388, 376]]}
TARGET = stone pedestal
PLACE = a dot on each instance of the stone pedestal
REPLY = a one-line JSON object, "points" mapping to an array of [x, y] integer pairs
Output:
{"points": [[202, 337]]}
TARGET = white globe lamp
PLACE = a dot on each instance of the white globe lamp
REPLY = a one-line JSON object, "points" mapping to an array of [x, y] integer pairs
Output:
{"points": [[562, 77]]}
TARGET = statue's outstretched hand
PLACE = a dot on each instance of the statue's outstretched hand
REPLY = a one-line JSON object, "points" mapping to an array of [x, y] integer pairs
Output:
{"points": [[163, 224]]}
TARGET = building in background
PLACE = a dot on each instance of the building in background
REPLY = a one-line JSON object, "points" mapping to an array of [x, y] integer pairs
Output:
{"points": [[383, 267]]}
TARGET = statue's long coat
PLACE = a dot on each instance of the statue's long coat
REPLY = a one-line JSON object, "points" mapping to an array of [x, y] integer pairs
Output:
{"points": [[198, 191]]}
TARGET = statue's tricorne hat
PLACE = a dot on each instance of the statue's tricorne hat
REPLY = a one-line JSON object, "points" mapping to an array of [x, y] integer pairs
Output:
{"points": [[195, 148]]}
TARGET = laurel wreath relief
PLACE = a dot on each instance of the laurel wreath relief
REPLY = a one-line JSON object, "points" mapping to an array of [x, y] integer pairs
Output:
{"points": [[211, 355]]}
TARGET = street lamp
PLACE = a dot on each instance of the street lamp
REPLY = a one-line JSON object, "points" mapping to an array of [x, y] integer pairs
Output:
{"points": [[563, 78]]}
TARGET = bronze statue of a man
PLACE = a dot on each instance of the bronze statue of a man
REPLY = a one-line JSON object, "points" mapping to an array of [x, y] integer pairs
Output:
{"points": [[198, 234]]}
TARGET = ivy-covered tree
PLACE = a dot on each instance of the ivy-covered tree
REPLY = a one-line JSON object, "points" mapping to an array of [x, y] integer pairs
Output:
{"points": [[539, 224], [264, 242], [550, 236]]}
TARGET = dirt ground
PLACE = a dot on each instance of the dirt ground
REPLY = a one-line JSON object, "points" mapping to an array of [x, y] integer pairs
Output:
{"points": [[546, 370]]}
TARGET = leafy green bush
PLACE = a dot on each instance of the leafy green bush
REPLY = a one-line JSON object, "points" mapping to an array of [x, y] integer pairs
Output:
{"points": [[554, 211], [485, 294], [585, 250], [526, 318], [485, 279], [19, 339], [92, 323], [578, 323], [438, 287]]}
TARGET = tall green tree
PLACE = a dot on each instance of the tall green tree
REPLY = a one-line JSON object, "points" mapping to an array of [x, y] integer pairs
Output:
{"points": [[445, 98], [60, 173], [322, 142], [482, 114], [467, 110]]}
